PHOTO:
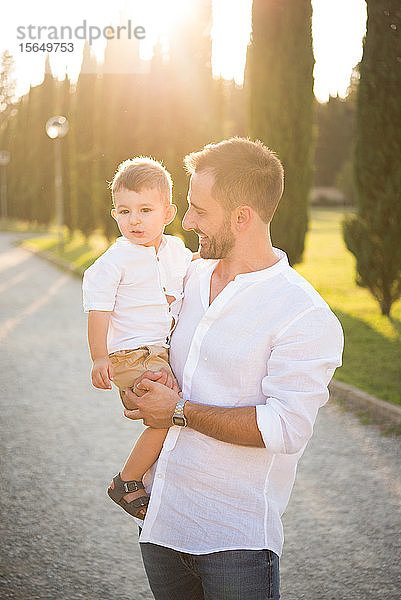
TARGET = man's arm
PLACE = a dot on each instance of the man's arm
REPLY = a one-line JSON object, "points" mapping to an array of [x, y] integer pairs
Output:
{"points": [[232, 425], [301, 364], [102, 371]]}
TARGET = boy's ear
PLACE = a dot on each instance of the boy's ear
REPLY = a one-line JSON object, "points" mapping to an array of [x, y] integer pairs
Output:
{"points": [[113, 213], [170, 213]]}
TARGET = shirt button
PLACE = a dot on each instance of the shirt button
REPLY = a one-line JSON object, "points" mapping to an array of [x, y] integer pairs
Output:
{"points": [[205, 357], [160, 476]]}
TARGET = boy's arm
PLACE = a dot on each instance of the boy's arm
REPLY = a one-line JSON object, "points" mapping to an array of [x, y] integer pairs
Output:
{"points": [[102, 370]]}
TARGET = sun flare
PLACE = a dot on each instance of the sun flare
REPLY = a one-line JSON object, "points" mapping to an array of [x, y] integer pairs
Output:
{"points": [[338, 28]]}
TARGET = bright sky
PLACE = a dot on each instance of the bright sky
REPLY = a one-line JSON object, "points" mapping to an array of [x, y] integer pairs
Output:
{"points": [[338, 29]]}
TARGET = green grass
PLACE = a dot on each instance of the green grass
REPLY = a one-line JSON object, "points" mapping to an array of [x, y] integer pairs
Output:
{"points": [[372, 353], [372, 342], [78, 251]]}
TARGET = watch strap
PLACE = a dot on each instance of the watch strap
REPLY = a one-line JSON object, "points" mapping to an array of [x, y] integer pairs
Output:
{"points": [[178, 415]]}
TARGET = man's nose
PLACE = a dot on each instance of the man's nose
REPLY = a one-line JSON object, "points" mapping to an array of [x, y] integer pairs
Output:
{"points": [[187, 222]]}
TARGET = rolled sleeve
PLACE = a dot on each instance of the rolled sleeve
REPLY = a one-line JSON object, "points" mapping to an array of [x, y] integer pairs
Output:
{"points": [[100, 283], [302, 362]]}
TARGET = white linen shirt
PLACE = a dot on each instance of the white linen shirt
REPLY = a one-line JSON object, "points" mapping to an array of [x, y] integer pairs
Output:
{"points": [[267, 340], [132, 281]]}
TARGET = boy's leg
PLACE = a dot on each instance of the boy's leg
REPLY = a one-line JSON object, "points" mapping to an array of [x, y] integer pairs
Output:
{"points": [[128, 366], [145, 452]]}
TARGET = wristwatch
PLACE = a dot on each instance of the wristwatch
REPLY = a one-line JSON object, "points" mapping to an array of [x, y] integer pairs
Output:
{"points": [[178, 415]]}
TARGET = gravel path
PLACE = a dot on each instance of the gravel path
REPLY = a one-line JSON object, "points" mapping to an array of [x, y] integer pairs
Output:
{"points": [[61, 442]]}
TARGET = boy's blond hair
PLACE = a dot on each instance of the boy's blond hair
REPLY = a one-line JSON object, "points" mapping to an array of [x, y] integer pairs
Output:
{"points": [[142, 172]]}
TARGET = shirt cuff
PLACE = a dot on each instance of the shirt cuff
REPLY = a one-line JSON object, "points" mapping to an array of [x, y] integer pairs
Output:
{"points": [[102, 307], [270, 426]]}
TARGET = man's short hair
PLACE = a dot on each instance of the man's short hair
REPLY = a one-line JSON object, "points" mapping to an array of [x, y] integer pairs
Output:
{"points": [[142, 173], [245, 172]]}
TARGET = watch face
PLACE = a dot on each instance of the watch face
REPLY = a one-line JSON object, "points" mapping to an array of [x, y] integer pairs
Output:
{"points": [[180, 421]]}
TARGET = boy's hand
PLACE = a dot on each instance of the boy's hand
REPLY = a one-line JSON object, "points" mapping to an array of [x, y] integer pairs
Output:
{"points": [[102, 373]]}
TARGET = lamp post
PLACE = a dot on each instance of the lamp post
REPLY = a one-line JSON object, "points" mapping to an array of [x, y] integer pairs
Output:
{"points": [[4, 160], [57, 128]]}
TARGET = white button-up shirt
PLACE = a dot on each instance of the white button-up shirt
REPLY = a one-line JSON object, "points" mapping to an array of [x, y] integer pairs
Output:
{"points": [[267, 340], [132, 281]]}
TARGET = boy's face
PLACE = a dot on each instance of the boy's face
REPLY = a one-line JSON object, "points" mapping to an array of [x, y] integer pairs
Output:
{"points": [[142, 216]]}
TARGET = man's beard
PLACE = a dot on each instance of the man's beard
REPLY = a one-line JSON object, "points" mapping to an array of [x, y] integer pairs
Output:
{"points": [[219, 245]]}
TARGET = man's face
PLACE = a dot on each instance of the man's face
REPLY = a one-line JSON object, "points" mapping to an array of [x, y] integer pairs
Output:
{"points": [[207, 217]]}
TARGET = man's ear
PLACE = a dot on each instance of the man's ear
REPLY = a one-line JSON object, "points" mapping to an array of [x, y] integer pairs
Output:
{"points": [[242, 217], [171, 211], [113, 213]]}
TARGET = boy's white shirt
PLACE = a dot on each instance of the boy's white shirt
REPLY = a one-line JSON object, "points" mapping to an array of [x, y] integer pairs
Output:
{"points": [[132, 281]]}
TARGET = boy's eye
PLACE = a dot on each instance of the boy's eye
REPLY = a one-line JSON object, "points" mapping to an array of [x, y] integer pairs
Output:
{"points": [[146, 209], [123, 212]]}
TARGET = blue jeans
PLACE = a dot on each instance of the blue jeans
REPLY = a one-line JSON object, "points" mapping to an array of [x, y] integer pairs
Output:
{"points": [[228, 575]]}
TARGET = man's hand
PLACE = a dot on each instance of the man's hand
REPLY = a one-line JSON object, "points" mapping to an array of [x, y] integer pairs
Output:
{"points": [[162, 376], [102, 373], [156, 406]]}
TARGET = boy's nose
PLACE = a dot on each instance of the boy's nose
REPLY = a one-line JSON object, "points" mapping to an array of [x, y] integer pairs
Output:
{"points": [[134, 219]]}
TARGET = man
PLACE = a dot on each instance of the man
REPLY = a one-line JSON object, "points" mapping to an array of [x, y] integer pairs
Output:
{"points": [[253, 352]]}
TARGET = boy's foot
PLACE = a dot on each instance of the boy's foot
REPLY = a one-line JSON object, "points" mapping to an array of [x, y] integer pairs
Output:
{"points": [[136, 509]]}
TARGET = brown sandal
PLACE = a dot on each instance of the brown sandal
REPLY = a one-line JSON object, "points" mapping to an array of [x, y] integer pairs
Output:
{"points": [[121, 488]]}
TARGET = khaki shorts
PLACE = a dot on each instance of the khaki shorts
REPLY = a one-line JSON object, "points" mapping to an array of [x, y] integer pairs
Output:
{"points": [[128, 365]]}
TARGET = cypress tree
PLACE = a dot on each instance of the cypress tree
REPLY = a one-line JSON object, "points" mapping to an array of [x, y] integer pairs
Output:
{"points": [[43, 161], [335, 126], [279, 82], [20, 205], [374, 234], [64, 108], [82, 126], [193, 117], [7, 83], [106, 143]]}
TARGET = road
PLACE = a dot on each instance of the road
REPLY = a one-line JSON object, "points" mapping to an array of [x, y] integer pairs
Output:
{"points": [[62, 441]]}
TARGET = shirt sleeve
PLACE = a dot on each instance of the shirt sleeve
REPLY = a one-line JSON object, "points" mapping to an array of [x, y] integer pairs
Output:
{"points": [[185, 254], [100, 284], [302, 362]]}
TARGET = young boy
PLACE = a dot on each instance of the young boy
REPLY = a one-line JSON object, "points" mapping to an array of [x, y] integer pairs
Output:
{"points": [[133, 294]]}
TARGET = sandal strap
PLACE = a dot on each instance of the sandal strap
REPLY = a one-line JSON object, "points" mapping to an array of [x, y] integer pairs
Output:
{"points": [[132, 486], [126, 487], [138, 503]]}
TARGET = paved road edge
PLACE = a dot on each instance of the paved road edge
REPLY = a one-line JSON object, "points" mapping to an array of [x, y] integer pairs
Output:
{"points": [[356, 398]]}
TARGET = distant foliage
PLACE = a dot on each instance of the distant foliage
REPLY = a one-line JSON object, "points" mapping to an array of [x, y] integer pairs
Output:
{"points": [[7, 81], [166, 111], [334, 138], [279, 82], [374, 234], [172, 108]]}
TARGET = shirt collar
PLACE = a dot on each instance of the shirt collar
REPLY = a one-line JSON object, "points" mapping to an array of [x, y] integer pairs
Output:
{"points": [[260, 275], [263, 274], [125, 242]]}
